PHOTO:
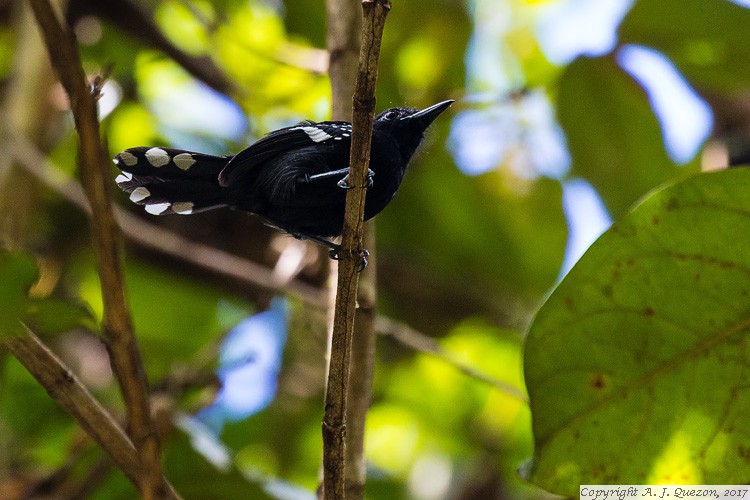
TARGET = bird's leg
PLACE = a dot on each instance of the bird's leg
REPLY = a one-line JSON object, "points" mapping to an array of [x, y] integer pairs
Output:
{"points": [[335, 248], [325, 175], [363, 254], [334, 251], [344, 183]]}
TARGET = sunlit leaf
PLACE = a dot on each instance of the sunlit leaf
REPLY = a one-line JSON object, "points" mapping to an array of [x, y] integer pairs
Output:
{"points": [[181, 24], [636, 366]]}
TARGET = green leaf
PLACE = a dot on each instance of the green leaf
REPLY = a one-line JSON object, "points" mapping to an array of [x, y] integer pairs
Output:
{"points": [[613, 135], [706, 40], [636, 366], [52, 315], [18, 272]]}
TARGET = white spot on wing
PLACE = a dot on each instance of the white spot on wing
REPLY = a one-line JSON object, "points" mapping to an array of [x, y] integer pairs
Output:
{"points": [[124, 177], [139, 194], [184, 161], [128, 158], [314, 133], [182, 207], [157, 157], [157, 208]]}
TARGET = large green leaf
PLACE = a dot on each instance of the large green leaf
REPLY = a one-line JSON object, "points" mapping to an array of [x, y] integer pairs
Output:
{"points": [[706, 40], [614, 138], [637, 365]]}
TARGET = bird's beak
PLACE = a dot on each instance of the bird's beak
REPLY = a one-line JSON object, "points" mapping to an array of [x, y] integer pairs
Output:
{"points": [[427, 115]]}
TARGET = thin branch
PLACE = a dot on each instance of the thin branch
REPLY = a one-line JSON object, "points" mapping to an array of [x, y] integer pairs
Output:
{"points": [[334, 420], [422, 343], [117, 325], [344, 22], [65, 388]]}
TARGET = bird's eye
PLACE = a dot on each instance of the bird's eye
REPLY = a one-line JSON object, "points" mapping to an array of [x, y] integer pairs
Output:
{"points": [[391, 115]]}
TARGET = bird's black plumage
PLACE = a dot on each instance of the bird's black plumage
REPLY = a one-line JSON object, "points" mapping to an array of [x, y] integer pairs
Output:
{"points": [[293, 177]]}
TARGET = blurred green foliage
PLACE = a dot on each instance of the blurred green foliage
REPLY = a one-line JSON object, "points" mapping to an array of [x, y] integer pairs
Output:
{"points": [[466, 260]]}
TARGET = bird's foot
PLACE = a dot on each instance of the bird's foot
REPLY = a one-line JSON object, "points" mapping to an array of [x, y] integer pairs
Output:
{"points": [[344, 182], [335, 254]]}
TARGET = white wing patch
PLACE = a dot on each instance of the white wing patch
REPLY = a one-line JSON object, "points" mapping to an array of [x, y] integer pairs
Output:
{"points": [[182, 207], [123, 178], [156, 157], [139, 194], [128, 158], [314, 133], [184, 161], [157, 208]]}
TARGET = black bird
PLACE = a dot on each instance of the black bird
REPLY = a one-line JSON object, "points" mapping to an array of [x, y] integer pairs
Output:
{"points": [[295, 177]]}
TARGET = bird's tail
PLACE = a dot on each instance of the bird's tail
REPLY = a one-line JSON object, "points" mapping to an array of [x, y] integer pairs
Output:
{"points": [[171, 181]]}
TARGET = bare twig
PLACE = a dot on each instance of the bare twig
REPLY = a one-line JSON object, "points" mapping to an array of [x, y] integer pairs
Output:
{"points": [[63, 386], [360, 380], [124, 354], [334, 421], [422, 343], [343, 41]]}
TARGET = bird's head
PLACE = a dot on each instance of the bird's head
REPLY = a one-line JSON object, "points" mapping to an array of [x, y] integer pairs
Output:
{"points": [[407, 125]]}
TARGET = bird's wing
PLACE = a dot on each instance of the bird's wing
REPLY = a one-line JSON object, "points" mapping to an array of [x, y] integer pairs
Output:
{"points": [[283, 141]]}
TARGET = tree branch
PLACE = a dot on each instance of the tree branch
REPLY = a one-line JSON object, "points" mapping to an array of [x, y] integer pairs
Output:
{"points": [[420, 342], [344, 41], [65, 388], [334, 421], [124, 354]]}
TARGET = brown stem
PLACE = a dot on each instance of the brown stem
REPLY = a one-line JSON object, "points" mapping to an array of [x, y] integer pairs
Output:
{"points": [[65, 388], [117, 326], [334, 420], [344, 40], [360, 380]]}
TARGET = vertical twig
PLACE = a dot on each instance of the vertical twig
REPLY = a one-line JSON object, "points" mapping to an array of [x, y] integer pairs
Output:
{"points": [[124, 354], [344, 21], [334, 421]]}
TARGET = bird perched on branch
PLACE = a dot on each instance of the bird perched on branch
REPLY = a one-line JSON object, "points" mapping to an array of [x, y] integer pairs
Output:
{"points": [[295, 178]]}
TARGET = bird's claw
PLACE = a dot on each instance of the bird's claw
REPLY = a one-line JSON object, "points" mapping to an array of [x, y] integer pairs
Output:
{"points": [[344, 182], [363, 254], [335, 254]]}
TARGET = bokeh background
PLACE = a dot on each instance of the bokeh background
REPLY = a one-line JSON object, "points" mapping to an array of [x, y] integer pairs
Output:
{"points": [[567, 112]]}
